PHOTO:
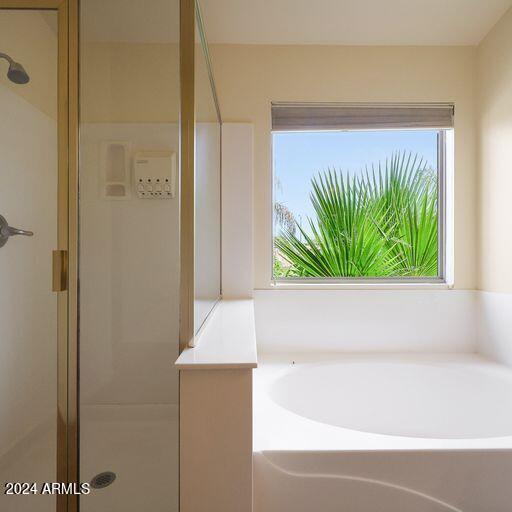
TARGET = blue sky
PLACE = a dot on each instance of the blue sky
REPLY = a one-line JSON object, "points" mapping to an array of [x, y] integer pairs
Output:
{"points": [[301, 155]]}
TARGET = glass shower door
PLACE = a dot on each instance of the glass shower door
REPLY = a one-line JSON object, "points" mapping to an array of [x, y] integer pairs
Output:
{"points": [[28, 235], [129, 254]]}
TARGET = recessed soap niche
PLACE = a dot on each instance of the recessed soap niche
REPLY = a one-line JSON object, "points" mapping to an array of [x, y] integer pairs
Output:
{"points": [[154, 172]]}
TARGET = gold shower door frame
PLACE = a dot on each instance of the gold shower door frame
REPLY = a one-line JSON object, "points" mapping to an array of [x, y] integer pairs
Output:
{"points": [[67, 239]]}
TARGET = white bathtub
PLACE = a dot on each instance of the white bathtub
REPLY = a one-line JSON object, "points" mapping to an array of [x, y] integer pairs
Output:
{"points": [[391, 433]]}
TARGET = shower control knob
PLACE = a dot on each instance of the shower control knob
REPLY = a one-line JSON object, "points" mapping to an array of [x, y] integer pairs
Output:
{"points": [[7, 231]]}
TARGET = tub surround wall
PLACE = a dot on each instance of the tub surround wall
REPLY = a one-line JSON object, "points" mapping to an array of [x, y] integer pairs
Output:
{"points": [[366, 320], [495, 326], [319, 321]]}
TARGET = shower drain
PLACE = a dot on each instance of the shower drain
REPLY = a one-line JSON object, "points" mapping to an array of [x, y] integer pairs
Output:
{"points": [[102, 480]]}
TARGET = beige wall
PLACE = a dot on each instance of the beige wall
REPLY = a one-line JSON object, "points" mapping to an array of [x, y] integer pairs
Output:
{"points": [[129, 82], [495, 158], [137, 83], [249, 77], [29, 37]]}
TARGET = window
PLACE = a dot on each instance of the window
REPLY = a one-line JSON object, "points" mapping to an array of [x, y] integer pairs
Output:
{"points": [[359, 192]]}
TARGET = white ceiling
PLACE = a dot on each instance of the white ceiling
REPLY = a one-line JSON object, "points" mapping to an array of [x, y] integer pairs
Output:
{"points": [[351, 22]]}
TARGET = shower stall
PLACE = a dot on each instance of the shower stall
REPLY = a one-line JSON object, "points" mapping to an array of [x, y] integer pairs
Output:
{"points": [[110, 164]]}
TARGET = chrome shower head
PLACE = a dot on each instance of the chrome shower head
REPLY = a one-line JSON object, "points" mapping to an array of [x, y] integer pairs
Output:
{"points": [[16, 72]]}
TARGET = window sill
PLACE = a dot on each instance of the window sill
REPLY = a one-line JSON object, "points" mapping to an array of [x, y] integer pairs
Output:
{"points": [[282, 285]]}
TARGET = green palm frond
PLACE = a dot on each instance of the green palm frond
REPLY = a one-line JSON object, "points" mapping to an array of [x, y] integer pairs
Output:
{"points": [[380, 224]]}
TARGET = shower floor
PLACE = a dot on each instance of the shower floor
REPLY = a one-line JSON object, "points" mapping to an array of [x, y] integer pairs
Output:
{"points": [[32, 460], [137, 442], [140, 444]]}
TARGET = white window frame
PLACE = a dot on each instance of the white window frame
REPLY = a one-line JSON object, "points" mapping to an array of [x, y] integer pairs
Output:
{"points": [[443, 280]]}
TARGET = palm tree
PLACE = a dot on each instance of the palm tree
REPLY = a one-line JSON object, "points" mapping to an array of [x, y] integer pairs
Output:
{"points": [[382, 223]]}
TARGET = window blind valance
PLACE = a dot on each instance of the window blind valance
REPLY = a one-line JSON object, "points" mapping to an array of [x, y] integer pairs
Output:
{"points": [[323, 116]]}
